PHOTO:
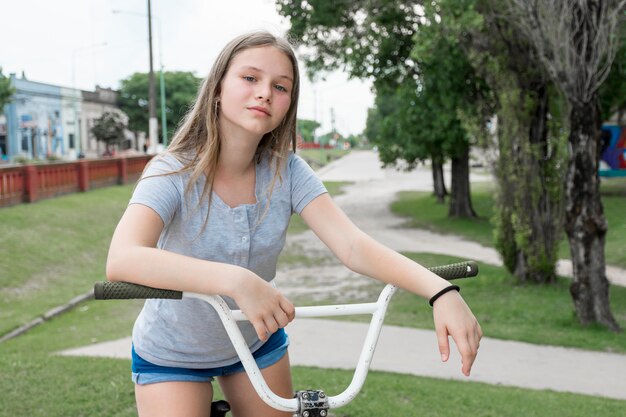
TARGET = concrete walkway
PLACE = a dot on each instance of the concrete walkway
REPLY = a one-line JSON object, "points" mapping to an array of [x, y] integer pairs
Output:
{"points": [[413, 351], [367, 203], [337, 344]]}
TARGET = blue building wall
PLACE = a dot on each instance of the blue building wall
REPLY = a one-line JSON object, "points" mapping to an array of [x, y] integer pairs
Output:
{"points": [[36, 120]]}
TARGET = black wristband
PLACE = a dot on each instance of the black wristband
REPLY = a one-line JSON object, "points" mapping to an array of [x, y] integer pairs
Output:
{"points": [[442, 292]]}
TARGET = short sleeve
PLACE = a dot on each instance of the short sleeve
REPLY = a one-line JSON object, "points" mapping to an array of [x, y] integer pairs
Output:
{"points": [[305, 184], [159, 189]]}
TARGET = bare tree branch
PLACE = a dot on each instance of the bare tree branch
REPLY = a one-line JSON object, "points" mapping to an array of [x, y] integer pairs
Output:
{"points": [[575, 40]]}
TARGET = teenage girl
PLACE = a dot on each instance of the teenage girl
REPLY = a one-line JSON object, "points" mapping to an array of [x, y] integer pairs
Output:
{"points": [[210, 216]]}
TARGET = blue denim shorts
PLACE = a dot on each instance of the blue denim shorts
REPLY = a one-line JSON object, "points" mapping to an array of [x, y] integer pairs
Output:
{"points": [[145, 372]]}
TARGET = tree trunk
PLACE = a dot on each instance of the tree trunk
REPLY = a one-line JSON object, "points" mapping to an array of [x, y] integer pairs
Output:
{"points": [[584, 219], [438, 180], [538, 205], [460, 197], [529, 205]]}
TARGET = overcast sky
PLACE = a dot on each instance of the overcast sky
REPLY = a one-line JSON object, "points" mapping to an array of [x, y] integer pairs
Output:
{"points": [[84, 43]]}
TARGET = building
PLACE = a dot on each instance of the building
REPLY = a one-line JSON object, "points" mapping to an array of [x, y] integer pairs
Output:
{"points": [[94, 104], [45, 121]]}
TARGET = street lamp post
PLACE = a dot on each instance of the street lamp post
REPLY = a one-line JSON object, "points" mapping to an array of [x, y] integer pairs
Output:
{"points": [[152, 123]]}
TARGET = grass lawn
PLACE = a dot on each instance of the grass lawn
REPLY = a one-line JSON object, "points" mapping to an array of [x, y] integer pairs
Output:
{"points": [[422, 211], [509, 311], [36, 383], [506, 310], [55, 249], [35, 278], [320, 157]]}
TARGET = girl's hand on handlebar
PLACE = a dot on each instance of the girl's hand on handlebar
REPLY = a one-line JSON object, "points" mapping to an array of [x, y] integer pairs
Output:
{"points": [[454, 318], [265, 307]]}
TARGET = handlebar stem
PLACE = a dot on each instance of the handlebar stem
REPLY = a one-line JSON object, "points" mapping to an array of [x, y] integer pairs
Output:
{"points": [[247, 360], [230, 317]]}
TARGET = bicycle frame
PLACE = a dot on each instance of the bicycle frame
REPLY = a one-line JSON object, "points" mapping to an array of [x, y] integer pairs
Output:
{"points": [[121, 290]]}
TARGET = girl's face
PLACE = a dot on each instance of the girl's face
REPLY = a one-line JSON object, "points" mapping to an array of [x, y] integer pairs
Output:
{"points": [[255, 92]]}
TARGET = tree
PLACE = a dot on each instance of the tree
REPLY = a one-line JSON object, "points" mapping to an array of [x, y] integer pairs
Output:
{"points": [[6, 90], [354, 140], [368, 39], [391, 126], [456, 97], [180, 91], [612, 92], [528, 209], [109, 128], [413, 123], [372, 40], [307, 129], [576, 41]]}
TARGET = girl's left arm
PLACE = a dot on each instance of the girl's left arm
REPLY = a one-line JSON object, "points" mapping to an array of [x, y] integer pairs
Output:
{"points": [[364, 255]]}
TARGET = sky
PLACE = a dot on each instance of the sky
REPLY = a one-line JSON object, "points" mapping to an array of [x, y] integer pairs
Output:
{"points": [[84, 43]]}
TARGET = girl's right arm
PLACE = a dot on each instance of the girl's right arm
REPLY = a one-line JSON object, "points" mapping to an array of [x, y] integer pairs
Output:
{"points": [[134, 257]]}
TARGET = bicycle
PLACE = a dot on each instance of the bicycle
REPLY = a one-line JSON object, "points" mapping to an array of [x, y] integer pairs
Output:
{"points": [[306, 403]]}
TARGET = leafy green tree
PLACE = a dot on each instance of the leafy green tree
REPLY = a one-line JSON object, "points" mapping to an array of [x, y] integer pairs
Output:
{"points": [[180, 91], [393, 126], [452, 95], [372, 40], [327, 138], [6, 90], [306, 128], [368, 39], [612, 92], [529, 203], [576, 43], [354, 140], [109, 128]]}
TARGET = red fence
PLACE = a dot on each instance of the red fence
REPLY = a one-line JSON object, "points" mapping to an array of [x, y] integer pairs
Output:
{"points": [[29, 183], [310, 145]]}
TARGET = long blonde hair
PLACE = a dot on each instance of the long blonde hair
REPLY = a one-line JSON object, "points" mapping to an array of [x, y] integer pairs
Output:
{"points": [[197, 142]]}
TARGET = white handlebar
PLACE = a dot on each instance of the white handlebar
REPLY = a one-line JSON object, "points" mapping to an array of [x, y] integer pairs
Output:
{"points": [[230, 317]]}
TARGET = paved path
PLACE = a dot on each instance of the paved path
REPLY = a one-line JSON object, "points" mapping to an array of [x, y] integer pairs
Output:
{"points": [[315, 342], [367, 203], [413, 351]]}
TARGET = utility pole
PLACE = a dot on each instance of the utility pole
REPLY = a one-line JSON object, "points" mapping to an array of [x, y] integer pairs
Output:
{"points": [[335, 136], [162, 79], [153, 124]]}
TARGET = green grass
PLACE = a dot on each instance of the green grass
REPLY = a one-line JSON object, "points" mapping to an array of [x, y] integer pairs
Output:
{"points": [[422, 211], [54, 250], [36, 383], [33, 382], [510, 311], [506, 310], [320, 157], [55, 386]]}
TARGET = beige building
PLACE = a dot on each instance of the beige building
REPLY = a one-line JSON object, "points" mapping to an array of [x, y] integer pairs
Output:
{"points": [[94, 105]]}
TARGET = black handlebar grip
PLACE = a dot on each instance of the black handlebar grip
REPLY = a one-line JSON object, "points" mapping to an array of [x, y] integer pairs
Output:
{"points": [[126, 291], [458, 270]]}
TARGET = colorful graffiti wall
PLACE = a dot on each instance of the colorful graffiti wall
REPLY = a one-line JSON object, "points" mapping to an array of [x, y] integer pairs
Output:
{"points": [[613, 150]]}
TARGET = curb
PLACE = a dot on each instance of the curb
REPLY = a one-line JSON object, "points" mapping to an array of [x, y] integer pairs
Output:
{"points": [[50, 314]]}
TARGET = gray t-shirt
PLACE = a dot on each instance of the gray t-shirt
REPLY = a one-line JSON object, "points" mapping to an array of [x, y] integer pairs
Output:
{"points": [[188, 333]]}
